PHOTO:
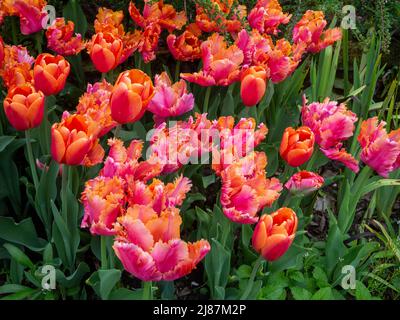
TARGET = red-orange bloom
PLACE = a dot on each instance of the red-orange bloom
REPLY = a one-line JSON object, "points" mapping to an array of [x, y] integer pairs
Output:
{"points": [[132, 93], [1, 51], [297, 146], [62, 39], [108, 20], [275, 233], [24, 107], [253, 85], [185, 47], [50, 73], [74, 141], [310, 31], [105, 50]]}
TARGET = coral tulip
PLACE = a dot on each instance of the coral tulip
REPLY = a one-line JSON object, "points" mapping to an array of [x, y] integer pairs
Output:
{"points": [[50, 73], [304, 182], [253, 85], [74, 140], [185, 47], [297, 146], [221, 64], [105, 50], [380, 150], [24, 107], [132, 93], [150, 248], [310, 30], [246, 190], [102, 199], [275, 233]]}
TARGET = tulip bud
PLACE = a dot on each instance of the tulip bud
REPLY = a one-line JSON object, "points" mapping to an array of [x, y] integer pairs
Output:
{"points": [[304, 182], [24, 107], [275, 233], [297, 146], [105, 51], [253, 85], [131, 95], [71, 140], [50, 73]]}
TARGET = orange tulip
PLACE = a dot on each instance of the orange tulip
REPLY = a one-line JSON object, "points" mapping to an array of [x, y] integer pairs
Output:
{"points": [[297, 146], [131, 95], [74, 141], [50, 73], [24, 107], [105, 51], [253, 85], [275, 233]]}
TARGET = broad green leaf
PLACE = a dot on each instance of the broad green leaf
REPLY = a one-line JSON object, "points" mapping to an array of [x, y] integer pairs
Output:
{"points": [[5, 141], [300, 293], [323, 294], [362, 293], [19, 255], [73, 11]]}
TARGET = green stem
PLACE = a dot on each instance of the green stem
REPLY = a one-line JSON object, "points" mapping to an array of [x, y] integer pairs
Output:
{"points": [[103, 76], [249, 287], [103, 244], [147, 291], [31, 159], [177, 70], [117, 131], [207, 99], [311, 162], [38, 42], [64, 189], [14, 31]]}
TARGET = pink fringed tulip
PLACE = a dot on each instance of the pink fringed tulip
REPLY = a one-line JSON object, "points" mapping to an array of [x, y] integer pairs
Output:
{"points": [[380, 150], [332, 123], [246, 190], [221, 64], [31, 15], [310, 31], [267, 15], [253, 85], [102, 199], [304, 182], [170, 100], [275, 233], [150, 248]]}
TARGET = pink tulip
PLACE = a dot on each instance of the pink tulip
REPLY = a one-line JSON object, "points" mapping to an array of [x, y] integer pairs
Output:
{"points": [[380, 150], [304, 182]]}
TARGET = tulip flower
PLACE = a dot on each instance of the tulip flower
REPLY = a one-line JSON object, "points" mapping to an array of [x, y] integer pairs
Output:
{"points": [[74, 140], [24, 107], [304, 182], [253, 85], [310, 31], [246, 190], [170, 100], [332, 123], [253, 44], [267, 16], [31, 15], [150, 248], [61, 39], [108, 20], [105, 50], [131, 95], [95, 103], [185, 47], [380, 150], [297, 146], [221, 64], [1, 52], [275, 233], [50, 73], [103, 199]]}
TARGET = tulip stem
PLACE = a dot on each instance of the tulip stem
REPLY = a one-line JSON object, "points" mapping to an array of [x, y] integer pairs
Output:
{"points": [[103, 76], [207, 99], [14, 31], [31, 159], [177, 70], [38, 42], [103, 245], [64, 192], [250, 283], [147, 290]]}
